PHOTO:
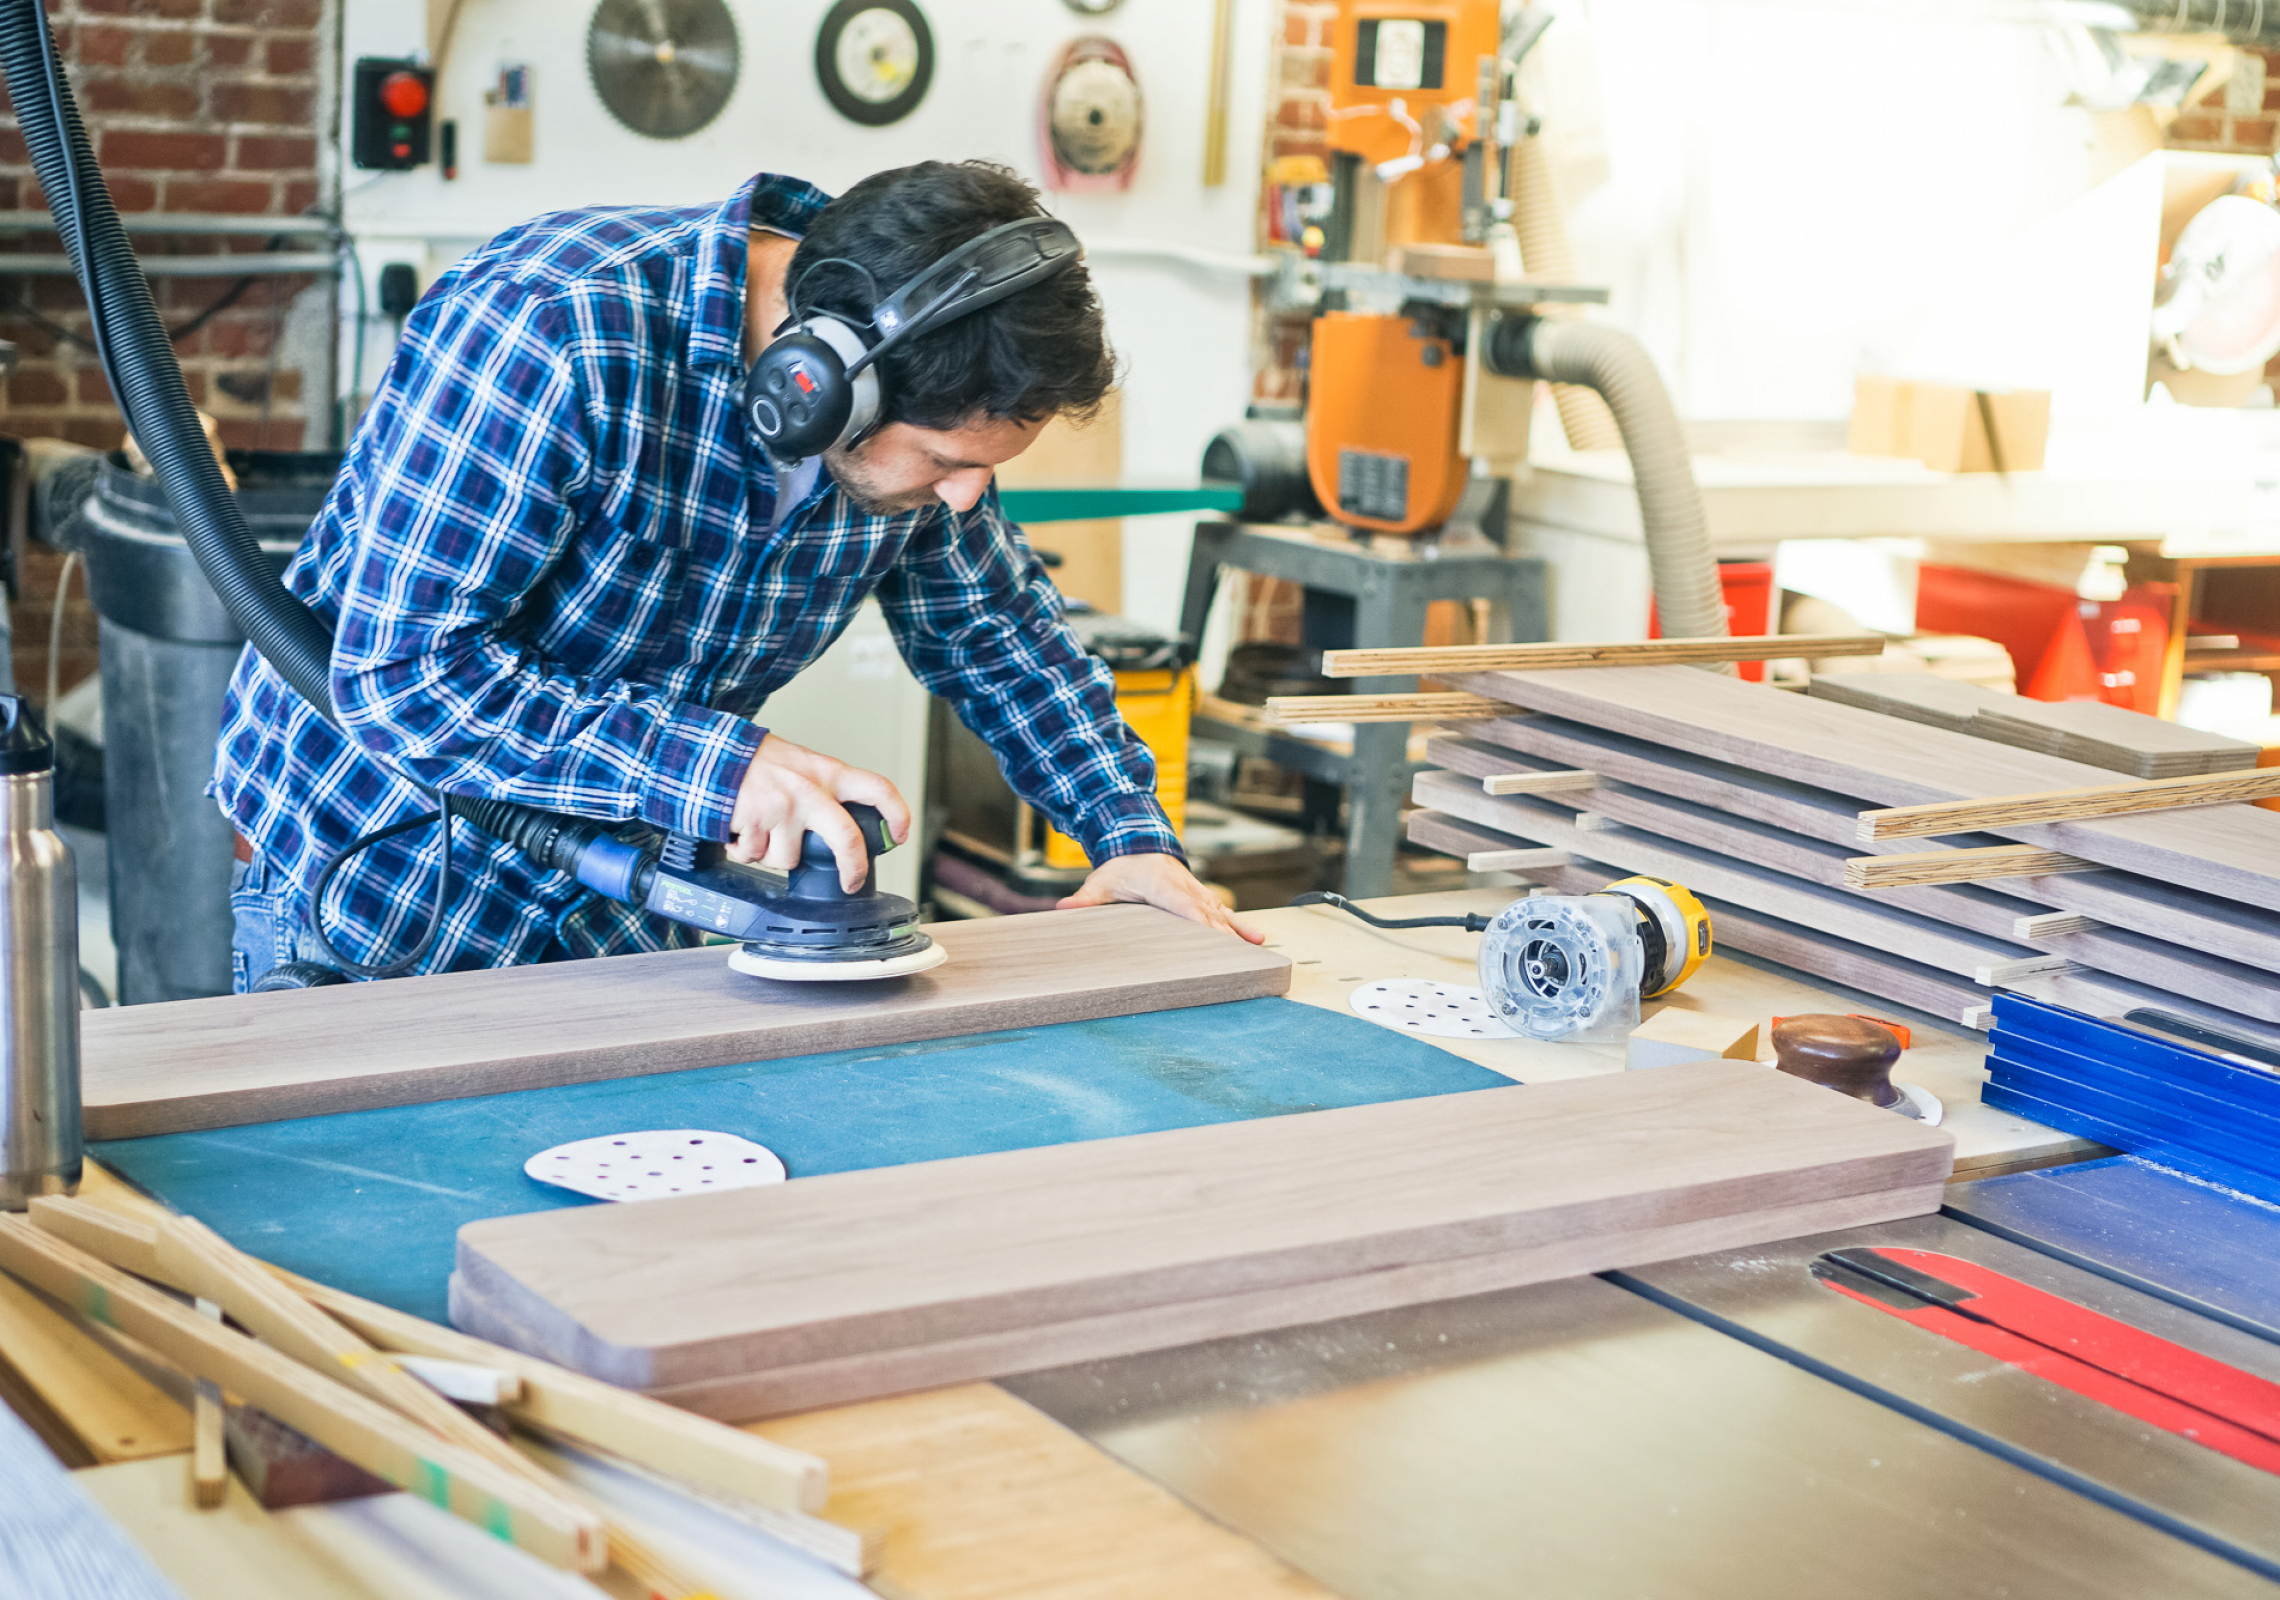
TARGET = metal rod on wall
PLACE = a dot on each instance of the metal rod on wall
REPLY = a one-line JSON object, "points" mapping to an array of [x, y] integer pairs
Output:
{"points": [[1215, 117]]}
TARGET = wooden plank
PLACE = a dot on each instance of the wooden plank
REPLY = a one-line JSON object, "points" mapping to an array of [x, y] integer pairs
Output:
{"points": [[1024, 1256], [1961, 866], [982, 1497], [192, 1257], [2230, 851], [2087, 731], [1296, 708], [2001, 813], [555, 1400], [2246, 934], [125, 1230], [1405, 660], [345, 1422], [1840, 961], [256, 1058], [1741, 883], [1522, 860], [209, 1467], [2187, 968], [1816, 860], [1557, 781], [112, 1410], [2052, 925], [2005, 974]]}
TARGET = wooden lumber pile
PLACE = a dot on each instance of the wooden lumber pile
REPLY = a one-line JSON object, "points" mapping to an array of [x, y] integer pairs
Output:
{"points": [[1755, 798], [343, 1397], [2090, 732], [859, 1284]]}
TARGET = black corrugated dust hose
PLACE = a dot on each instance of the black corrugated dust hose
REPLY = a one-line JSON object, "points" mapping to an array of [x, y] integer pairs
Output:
{"points": [[139, 360]]}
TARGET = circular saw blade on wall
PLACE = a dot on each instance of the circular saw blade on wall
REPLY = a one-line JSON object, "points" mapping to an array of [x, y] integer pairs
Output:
{"points": [[664, 68], [875, 59], [1090, 120]]}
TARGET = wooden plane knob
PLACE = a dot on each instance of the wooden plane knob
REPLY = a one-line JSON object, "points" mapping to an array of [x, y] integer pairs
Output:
{"points": [[1851, 1055]]}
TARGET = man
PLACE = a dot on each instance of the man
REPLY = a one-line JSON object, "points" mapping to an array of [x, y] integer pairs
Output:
{"points": [[561, 573]]}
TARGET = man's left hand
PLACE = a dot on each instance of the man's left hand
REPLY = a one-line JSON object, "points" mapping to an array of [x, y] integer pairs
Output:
{"points": [[1162, 881]]}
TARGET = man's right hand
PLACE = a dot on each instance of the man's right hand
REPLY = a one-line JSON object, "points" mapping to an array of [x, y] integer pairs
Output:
{"points": [[790, 791]]}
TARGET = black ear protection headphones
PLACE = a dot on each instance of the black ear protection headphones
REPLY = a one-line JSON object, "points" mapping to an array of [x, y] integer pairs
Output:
{"points": [[818, 385]]}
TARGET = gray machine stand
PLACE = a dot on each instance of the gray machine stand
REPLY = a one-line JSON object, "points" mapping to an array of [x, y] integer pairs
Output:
{"points": [[1368, 595]]}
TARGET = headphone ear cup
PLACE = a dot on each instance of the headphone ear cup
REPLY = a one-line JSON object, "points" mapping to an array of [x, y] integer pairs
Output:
{"points": [[797, 397]]}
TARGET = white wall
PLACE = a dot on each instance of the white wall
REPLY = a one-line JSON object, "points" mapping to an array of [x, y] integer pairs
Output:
{"points": [[1792, 190], [1185, 332]]}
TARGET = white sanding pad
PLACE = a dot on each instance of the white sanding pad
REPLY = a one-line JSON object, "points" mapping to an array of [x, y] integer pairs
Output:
{"points": [[743, 960], [655, 1162], [1923, 1105], [1436, 1010]]}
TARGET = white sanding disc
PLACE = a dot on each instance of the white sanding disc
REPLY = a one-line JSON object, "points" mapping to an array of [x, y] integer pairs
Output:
{"points": [[744, 959], [1923, 1105], [654, 1162], [1437, 1010]]}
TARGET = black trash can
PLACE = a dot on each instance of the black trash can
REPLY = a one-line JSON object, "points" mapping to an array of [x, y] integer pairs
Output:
{"points": [[168, 650]]}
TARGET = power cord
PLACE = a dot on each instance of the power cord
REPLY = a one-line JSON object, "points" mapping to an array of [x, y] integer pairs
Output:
{"points": [[1471, 921]]}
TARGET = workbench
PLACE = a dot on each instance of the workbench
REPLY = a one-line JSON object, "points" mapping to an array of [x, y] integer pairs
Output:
{"points": [[1719, 1426]]}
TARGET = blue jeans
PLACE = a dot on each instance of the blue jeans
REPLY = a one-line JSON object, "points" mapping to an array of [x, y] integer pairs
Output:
{"points": [[272, 925]]}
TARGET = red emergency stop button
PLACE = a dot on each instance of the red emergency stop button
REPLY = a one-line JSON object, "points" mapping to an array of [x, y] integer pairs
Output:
{"points": [[403, 94]]}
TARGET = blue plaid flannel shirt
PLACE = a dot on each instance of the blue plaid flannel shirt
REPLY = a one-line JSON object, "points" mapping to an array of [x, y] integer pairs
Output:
{"points": [[547, 566]]}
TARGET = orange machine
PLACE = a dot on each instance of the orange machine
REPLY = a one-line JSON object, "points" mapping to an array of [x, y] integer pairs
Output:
{"points": [[1413, 162], [1381, 421]]}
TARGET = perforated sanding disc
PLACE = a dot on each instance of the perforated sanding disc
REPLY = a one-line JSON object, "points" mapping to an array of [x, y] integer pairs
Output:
{"points": [[652, 1163]]}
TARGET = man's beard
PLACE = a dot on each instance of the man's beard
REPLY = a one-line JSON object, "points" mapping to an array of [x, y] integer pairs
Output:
{"points": [[855, 481]]}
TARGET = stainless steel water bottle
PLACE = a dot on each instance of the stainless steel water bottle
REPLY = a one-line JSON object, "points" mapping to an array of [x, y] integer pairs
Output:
{"points": [[39, 972]]}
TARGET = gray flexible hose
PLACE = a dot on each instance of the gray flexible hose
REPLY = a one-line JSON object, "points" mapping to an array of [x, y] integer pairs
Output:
{"points": [[1691, 603]]}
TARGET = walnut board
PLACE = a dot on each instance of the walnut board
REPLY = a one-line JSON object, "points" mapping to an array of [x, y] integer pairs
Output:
{"points": [[2231, 851], [2188, 969], [2243, 933], [863, 1283], [190, 1064]]}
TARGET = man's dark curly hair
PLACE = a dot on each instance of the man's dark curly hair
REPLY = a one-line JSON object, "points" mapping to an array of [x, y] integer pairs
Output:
{"points": [[1036, 354]]}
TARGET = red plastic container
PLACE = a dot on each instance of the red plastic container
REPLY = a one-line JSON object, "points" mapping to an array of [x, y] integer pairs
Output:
{"points": [[1748, 587]]}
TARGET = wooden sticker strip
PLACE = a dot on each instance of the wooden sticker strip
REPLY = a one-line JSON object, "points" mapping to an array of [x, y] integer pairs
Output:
{"points": [[555, 1400], [358, 1430], [1552, 657], [1292, 708], [1960, 866], [2068, 805], [188, 1255]]}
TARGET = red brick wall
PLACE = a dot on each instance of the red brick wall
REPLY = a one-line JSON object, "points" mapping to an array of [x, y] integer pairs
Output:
{"points": [[206, 106], [2218, 122]]}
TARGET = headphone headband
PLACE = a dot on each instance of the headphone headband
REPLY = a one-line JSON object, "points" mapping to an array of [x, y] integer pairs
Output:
{"points": [[800, 396]]}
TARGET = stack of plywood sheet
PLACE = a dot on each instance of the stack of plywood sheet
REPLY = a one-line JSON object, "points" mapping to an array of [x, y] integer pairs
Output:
{"points": [[2088, 731], [857, 1284], [1752, 797]]}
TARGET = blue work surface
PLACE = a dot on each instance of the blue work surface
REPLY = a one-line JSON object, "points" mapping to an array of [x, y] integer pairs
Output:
{"points": [[372, 1201], [2184, 1241]]}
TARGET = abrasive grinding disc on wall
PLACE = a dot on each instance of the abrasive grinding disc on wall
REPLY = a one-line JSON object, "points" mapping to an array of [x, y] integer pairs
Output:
{"points": [[1090, 120], [874, 59]]}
